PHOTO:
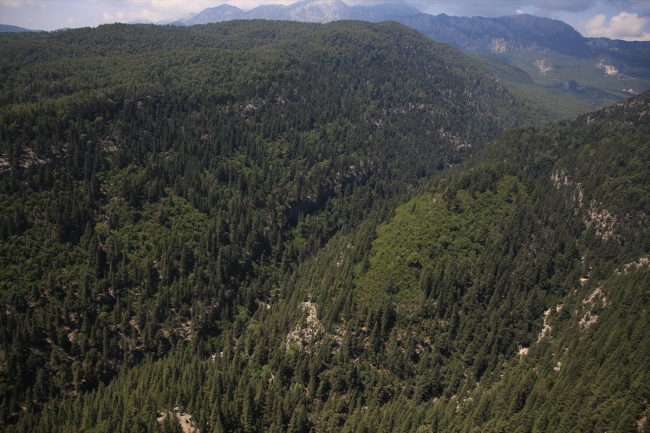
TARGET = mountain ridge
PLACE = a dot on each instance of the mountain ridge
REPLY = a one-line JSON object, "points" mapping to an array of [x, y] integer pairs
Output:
{"points": [[8, 28], [550, 51], [460, 31], [306, 11]]}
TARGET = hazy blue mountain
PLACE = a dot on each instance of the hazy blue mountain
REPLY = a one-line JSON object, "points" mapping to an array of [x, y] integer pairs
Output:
{"points": [[398, 8], [140, 21], [7, 28], [494, 36], [550, 51], [512, 34], [213, 15]]}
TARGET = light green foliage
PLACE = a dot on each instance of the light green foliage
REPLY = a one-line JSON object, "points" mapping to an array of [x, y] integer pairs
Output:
{"points": [[601, 88], [432, 230], [554, 99]]}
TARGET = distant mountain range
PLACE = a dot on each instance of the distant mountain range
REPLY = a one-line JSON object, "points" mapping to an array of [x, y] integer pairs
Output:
{"points": [[552, 52], [503, 35], [320, 11], [7, 28], [514, 33], [471, 34]]}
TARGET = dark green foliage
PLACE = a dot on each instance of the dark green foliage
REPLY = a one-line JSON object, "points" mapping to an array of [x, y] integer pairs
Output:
{"points": [[161, 192], [227, 233]]}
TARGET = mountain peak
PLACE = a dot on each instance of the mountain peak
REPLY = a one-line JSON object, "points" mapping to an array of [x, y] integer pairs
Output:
{"points": [[321, 11], [224, 12]]}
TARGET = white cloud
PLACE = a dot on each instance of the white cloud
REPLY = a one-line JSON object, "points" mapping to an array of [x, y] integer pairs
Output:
{"points": [[519, 11], [159, 10], [626, 26], [71, 20], [107, 16]]}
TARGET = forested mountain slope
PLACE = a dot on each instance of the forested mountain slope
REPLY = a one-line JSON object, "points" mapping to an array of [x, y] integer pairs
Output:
{"points": [[262, 237], [162, 186], [512, 295], [578, 70], [528, 273]]}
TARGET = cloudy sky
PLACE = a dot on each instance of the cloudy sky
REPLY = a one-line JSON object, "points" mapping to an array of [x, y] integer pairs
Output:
{"points": [[616, 19]]}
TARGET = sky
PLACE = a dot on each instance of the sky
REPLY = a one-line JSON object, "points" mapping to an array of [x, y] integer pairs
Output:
{"points": [[615, 19]]}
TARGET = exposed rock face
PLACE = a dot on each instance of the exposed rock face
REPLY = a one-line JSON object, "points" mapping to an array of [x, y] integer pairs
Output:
{"points": [[573, 86], [184, 420], [590, 317], [214, 15], [543, 66], [303, 336]]}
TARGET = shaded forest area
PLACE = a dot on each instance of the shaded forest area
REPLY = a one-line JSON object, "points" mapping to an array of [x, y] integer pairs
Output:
{"points": [[255, 223]]}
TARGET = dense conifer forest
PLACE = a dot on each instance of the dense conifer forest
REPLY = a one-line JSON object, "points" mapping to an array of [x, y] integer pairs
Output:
{"points": [[274, 226]]}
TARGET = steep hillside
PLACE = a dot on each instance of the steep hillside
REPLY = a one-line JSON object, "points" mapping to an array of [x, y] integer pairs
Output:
{"points": [[550, 51], [511, 294], [565, 102], [526, 274], [162, 185]]}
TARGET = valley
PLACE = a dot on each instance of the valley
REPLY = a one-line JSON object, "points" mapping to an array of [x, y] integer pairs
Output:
{"points": [[259, 225]]}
